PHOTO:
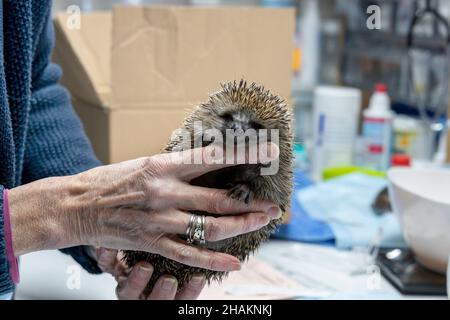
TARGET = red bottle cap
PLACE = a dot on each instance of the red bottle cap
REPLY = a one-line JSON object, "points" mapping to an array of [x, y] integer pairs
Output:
{"points": [[380, 87], [400, 160]]}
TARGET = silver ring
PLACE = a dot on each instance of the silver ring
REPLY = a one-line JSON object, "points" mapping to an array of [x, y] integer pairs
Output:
{"points": [[195, 231], [189, 229]]}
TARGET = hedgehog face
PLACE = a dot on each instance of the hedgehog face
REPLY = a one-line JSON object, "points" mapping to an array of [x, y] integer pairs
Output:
{"points": [[239, 120], [225, 118]]}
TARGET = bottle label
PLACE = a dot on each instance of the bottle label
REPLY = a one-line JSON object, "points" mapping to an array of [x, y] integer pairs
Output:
{"points": [[377, 140]]}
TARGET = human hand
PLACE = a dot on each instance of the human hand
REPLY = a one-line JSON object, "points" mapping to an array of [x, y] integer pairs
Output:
{"points": [[139, 205], [131, 282]]}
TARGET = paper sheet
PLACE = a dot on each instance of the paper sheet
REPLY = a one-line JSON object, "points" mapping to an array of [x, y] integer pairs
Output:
{"points": [[258, 280]]}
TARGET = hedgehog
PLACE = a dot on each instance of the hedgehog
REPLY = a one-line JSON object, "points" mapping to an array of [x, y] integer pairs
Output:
{"points": [[237, 106]]}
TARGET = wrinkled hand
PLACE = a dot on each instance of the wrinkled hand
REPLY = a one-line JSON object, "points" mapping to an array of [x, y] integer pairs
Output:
{"points": [[141, 204], [131, 282]]}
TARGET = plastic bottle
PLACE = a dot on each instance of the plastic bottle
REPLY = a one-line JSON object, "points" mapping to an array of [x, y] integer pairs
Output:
{"points": [[309, 29], [377, 130], [335, 123], [405, 133]]}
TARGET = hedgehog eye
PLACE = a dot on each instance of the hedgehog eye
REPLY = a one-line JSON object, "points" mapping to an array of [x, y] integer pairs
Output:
{"points": [[256, 125], [227, 117]]}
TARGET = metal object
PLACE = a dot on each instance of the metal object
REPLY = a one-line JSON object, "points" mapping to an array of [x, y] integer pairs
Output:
{"points": [[195, 232], [430, 109], [189, 229]]}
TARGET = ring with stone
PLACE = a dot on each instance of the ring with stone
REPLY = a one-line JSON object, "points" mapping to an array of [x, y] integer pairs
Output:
{"points": [[195, 232]]}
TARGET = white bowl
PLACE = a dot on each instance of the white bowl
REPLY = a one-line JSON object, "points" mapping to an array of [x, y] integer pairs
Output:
{"points": [[421, 199]]}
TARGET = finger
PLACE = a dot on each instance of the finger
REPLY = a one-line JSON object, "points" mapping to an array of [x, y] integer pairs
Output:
{"points": [[109, 260], [106, 260], [227, 227], [121, 267], [192, 163], [165, 289], [135, 283], [192, 289], [216, 229], [121, 262], [176, 249], [217, 201]]}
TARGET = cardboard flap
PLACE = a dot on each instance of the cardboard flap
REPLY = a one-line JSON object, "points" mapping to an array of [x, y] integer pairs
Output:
{"points": [[168, 55], [89, 51]]}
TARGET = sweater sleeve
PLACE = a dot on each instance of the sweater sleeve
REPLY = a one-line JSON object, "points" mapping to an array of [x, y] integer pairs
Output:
{"points": [[56, 143], [6, 283]]}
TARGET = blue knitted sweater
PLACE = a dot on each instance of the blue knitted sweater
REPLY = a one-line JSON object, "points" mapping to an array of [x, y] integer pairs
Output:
{"points": [[40, 135]]}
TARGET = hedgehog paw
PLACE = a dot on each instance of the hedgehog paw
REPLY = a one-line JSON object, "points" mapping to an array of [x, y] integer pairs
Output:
{"points": [[241, 192]]}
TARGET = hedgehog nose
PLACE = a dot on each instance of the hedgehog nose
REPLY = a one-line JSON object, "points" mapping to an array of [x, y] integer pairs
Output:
{"points": [[239, 125]]}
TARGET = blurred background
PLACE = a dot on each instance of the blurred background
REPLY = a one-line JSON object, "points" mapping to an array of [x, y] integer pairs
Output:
{"points": [[334, 45]]}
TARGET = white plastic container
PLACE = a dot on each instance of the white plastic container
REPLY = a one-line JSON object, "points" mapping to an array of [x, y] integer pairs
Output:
{"points": [[377, 130], [336, 111], [309, 29], [405, 130]]}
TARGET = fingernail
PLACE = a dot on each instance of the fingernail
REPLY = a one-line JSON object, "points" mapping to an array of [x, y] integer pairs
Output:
{"points": [[236, 266], [275, 212], [169, 284], [197, 281], [226, 265], [144, 270], [263, 221]]}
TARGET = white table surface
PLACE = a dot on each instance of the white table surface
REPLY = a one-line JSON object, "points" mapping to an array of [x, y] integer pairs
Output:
{"points": [[53, 275]]}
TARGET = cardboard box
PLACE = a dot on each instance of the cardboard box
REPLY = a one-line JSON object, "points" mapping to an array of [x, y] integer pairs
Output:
{"points": [[134, 73]]}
